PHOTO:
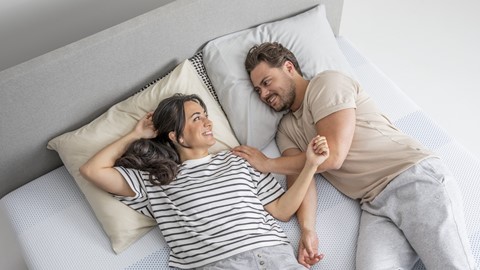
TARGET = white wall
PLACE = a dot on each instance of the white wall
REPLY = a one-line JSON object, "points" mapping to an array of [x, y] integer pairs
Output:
{"points": [[431, 50], [29, 28]]}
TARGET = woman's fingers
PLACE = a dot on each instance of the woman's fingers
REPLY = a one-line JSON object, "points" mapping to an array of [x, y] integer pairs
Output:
{"points": [[320, 144]]}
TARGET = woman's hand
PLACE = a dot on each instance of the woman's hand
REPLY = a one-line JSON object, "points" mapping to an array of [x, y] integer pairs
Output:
{"points": [[144, 128], [317, 151]]}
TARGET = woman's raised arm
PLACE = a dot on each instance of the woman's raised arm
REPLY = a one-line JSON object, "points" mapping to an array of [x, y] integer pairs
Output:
{"points": [[99, 169]]}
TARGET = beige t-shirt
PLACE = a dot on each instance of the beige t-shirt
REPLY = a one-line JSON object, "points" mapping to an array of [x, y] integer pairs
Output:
{"points": [[379, 151]]}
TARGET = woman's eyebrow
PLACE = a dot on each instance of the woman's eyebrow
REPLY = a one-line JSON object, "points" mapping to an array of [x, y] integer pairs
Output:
{"points": [[197, 113]]}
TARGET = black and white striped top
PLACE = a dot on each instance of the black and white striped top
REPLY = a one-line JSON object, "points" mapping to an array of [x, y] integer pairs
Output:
{"points": [[211, 211]]}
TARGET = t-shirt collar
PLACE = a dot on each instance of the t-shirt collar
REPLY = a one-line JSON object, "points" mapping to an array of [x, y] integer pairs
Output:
{"points": [[195, 162], [298, 113]]}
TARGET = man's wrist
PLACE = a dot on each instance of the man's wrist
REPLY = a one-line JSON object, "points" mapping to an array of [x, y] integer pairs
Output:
{"points": [[270, 165], [307, 225], [307, 229]]}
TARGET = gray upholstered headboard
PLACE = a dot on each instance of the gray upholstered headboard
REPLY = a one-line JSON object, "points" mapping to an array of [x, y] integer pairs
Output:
{"points": [[66, 88]]}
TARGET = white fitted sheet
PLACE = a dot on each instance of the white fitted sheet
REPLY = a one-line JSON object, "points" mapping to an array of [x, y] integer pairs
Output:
{"points": [[56, 229]]}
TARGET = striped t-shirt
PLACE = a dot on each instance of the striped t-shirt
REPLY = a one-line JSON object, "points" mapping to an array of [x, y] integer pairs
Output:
{"points": [[211, 211]]}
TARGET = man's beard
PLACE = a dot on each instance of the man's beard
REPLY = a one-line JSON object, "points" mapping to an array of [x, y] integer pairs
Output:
{"points": [[289, 98]]}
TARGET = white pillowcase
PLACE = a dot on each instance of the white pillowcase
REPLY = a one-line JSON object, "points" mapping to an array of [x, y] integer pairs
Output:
{"points": [[308, 35]]}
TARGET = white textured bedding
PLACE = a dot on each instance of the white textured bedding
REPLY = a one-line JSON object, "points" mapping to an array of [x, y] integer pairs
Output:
{"points": [[56, 228]]}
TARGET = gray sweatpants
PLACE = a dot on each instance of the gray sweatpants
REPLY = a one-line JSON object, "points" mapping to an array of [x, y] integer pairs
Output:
{"points": [[266, 258], [418, 215]]}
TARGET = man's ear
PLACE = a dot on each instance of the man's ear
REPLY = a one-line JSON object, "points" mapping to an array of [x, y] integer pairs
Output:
{"points": [[289, 67]]}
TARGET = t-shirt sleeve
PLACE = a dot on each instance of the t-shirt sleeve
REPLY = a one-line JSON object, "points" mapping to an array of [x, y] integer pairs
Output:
{"points": [[268, 188], [329, 92], [135, 179]]}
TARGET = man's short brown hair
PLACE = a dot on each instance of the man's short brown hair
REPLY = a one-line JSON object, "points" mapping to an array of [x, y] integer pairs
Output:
{"points": [[273, 53]]}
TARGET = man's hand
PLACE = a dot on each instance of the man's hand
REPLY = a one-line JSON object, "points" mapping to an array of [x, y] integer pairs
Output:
{"points": [[308, 249], [254, 156]]}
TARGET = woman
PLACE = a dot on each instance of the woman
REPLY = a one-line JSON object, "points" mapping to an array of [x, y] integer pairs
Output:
{"points": [[214, 211]]}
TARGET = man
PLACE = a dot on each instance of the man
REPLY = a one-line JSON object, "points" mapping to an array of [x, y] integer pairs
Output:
{"points": [[411, 206]]}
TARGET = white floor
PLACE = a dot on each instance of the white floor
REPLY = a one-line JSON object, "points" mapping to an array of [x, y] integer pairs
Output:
{"points": [[429, 48]]}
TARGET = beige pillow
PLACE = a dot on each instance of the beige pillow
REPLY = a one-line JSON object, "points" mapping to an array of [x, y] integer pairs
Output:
{"points": [[122, 224]]}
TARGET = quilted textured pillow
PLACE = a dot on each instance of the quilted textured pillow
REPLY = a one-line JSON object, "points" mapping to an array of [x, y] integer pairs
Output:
{"points": [[122, 224]]}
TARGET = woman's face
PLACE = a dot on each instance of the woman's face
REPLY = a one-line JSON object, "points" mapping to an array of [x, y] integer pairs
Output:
{"points": [[197, 132]]}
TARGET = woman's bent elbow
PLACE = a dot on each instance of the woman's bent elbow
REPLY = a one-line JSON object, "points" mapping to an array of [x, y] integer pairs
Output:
{"points": [[84, 171]]}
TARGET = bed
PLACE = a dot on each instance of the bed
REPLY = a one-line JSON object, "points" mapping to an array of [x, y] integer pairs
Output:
{"points": [[79, 97]]}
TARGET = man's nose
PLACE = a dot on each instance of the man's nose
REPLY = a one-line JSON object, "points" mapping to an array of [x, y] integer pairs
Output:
{"points": [[264, 93]]}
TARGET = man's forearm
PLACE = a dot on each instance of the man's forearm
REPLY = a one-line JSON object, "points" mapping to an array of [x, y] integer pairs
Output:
{"points": [[306, 213]]}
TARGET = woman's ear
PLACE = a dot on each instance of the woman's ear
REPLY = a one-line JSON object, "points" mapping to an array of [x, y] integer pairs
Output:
{"points": [[172, 137]]}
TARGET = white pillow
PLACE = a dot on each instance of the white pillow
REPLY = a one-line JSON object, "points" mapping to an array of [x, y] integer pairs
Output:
{"points": [[308, 35]]}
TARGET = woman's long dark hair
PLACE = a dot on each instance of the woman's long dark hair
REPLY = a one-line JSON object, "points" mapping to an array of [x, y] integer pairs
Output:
{"points": [[159, 156]]}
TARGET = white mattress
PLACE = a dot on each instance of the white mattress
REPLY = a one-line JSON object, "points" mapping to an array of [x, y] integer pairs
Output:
{"points": [[56, 228]]}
